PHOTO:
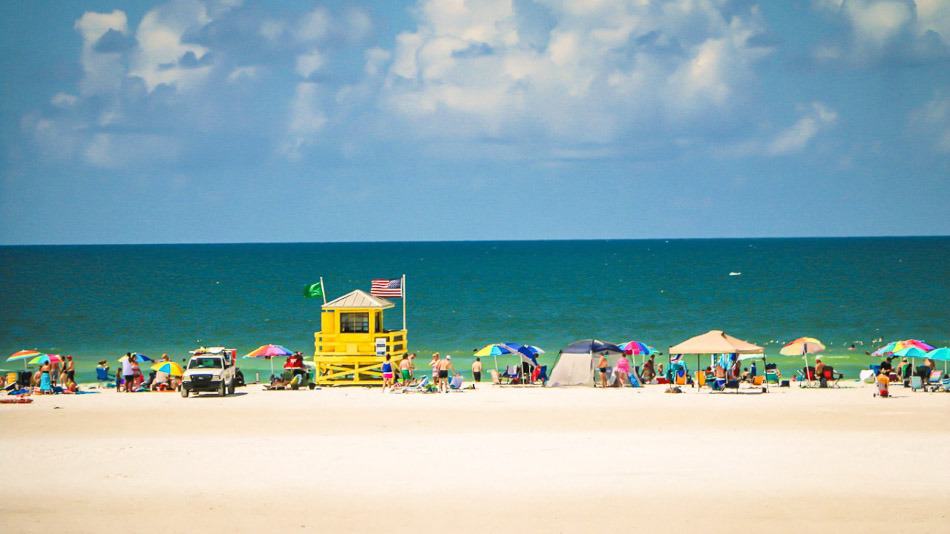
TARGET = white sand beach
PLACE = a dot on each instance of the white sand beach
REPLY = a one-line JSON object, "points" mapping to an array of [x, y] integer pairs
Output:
{"points": [[503, 459]]}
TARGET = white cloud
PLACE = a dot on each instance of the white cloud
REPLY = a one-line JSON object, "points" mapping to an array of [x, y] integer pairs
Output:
{"points": [[110, 151], [881, 28], [817, 117], [102, 72], [313, 26], [158, 58], [242, 73], [376, 59], [601, 68], [306, 120], [64, 100], [309, 63]]}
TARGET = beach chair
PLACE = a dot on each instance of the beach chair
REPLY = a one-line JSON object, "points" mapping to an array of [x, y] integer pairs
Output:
{"points": [[635, 381], [828, 375], [455, 383], [511, 373], [421, 386], [771, 376], [916, 383], [935, 381], [946, 384], [102, 376]]}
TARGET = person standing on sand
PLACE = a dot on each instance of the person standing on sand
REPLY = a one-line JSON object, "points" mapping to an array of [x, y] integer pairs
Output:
{"points": [[444, 367], [388, 375], [46, 385], [70, 368], [404, 369], [128, 371], [602, 369], [434, 364], [623, 370], [476, 371], [412, 366]]}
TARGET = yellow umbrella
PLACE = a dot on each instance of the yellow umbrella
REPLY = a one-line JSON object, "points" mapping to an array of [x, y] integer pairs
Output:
{"points": [[171, 368]]}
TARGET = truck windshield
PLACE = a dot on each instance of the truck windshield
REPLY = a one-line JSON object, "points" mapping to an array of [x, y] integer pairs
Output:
{"points": [[205, 363]]}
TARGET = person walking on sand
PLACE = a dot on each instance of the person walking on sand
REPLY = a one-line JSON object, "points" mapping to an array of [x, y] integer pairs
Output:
{"points": [[602, 369], [404, 369], [476, 371], [444, 367], [128, 371]]}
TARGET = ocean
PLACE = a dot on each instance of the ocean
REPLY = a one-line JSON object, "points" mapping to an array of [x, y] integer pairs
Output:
{"points": [[99, 302]]}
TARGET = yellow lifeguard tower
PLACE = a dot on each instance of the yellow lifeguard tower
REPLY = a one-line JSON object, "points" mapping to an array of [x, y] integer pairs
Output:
{"points": [[352, 342]]}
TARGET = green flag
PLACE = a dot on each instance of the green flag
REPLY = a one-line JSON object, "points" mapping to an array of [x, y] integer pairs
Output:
{"points": [[313, 290]]}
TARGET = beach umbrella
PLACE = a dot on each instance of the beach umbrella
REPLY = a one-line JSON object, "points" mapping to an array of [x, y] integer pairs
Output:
{"points": [[637, 348], [910, 352], [495, 350], [941, 354], [23, 355], [896, 346], [46, 358], [802, 346], [139, 357], [269, 352], [170, 368]]}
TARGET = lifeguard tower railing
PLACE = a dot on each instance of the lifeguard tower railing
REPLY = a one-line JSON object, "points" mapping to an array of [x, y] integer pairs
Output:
{"points": [[352, 359]]}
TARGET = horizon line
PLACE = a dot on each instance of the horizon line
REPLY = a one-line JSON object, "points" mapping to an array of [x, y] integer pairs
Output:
{"points": [[173, 243]]}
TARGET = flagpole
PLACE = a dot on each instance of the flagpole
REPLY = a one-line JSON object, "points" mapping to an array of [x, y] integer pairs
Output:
{"points": [[404, 301], [323, 290]]}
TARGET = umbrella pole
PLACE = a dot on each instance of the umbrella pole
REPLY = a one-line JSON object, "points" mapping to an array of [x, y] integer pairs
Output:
{"points": [[271, 369]]}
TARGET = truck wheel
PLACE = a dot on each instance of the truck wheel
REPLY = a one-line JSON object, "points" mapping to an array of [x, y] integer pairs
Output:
{"points": [[184, 392], [224, 389]]}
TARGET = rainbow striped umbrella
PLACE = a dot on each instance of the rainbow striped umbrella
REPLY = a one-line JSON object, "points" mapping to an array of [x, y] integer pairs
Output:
{"points": [[896, 346], [170, 368], [910, 352], [46, 358], [269, 352], [23, 355]]}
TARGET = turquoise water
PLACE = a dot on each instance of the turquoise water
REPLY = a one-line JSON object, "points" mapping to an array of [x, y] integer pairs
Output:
{"points": [[101, 301]]}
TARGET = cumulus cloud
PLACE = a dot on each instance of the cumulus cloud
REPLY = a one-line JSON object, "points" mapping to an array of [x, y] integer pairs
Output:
{"points": [[309, 63], [161, 49], [816, 118], [103, 71], [888, 29], [573, 72], [306, 119]]}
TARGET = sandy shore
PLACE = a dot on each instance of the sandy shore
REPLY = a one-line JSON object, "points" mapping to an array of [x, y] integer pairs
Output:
{"points": [[566, 460]]}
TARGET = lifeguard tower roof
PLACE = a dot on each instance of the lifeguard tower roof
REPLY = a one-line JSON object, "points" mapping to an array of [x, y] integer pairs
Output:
{"points": [[358, 299]]}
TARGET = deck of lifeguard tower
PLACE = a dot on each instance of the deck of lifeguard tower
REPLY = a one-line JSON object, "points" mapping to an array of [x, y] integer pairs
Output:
{"points": [[345, 348]]}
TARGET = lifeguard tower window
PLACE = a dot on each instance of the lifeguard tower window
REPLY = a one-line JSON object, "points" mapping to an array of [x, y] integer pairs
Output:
{"points": [[354, 323]]}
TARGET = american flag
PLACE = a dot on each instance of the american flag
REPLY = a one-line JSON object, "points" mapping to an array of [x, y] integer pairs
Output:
{"points": [[382, 287]]}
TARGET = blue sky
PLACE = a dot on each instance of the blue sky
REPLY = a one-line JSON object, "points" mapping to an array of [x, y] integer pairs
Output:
{"points": [[223, 121]]}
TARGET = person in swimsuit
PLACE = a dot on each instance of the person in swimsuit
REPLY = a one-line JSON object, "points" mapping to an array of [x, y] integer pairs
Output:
{"points": [[404, 370], [388, 376], [623, 370], [412, 365], [602, 369], [128, 372], [444, 367], [434, 364], [70, 369], [476, 371], [46, 385]]}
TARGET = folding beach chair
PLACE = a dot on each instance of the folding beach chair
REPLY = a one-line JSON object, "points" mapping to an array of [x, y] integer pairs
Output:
{"points": [[935, 381], [916, 383], [419, 387]]}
